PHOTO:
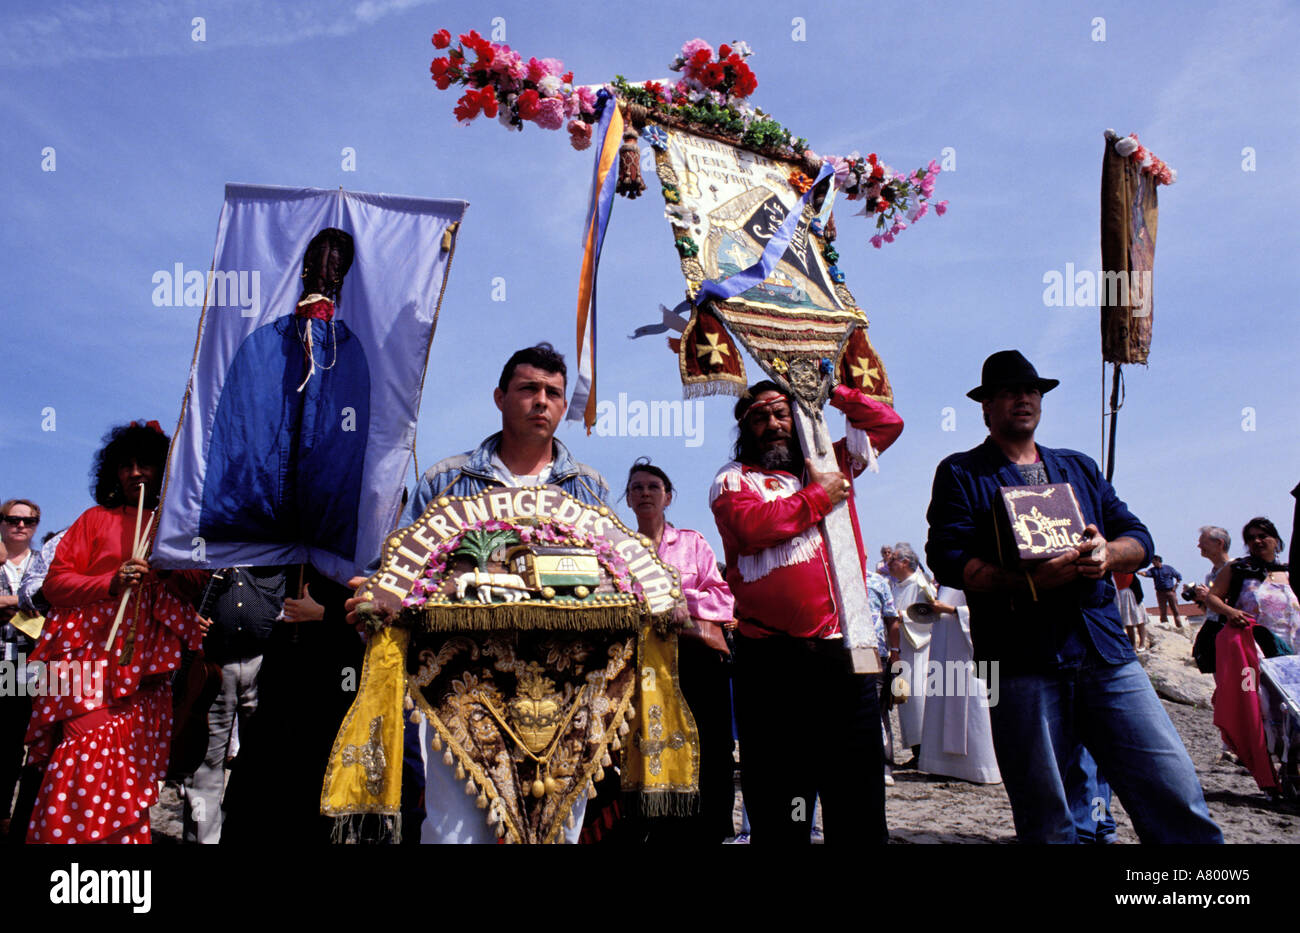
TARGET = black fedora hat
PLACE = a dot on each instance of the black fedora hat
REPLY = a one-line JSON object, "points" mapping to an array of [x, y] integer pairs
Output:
{"points": [[1009, 368]]}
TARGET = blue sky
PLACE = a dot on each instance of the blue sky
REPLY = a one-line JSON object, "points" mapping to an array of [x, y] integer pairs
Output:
{"points": [[147, 125]]}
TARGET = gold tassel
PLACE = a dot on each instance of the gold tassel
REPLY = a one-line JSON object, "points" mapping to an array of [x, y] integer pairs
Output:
{"points": [[501, 829], [591, 791], [600, 774], [492, 818], [616, 744], [481, 802], [436, 742], [623, 727], [605, 761], [470, 789], [460, 771], [408, 703], [448, 759]]}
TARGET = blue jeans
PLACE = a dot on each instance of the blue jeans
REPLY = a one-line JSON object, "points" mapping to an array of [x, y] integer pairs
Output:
{"points": [[1089, 795], [1112, 710]]}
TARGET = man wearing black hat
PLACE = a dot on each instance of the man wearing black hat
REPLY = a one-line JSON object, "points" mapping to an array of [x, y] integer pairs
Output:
{"points": [[1068, 675]]}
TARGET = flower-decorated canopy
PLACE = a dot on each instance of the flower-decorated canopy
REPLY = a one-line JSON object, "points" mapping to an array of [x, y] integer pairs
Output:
{"points": [[749, 206]]}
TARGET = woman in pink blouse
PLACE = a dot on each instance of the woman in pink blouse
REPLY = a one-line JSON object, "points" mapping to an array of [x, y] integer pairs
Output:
{"points": [[703, 656]]}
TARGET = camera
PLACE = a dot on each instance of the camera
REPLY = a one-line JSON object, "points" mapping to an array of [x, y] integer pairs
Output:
{"points": [[1188, 593]]}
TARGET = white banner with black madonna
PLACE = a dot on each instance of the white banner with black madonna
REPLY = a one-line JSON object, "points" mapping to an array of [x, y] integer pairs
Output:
{"points": [[298, 424]]}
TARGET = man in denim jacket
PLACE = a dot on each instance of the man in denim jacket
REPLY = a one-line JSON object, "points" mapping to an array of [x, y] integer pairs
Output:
{"points": [[524, 452], [530, 395], [1068, 675]]}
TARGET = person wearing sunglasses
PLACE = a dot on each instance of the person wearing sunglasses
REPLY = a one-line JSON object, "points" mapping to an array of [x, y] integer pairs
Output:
{"points": [[24, 568]]}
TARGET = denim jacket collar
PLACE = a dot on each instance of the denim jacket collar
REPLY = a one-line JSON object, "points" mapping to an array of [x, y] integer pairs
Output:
{"points": [[479, 463]]}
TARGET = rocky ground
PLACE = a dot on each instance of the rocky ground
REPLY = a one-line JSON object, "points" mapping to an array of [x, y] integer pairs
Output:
{"points": [[923, 808]]}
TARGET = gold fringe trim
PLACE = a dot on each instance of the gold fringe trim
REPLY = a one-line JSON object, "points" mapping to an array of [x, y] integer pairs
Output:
{"points": [[712, 386], [664, 802], [372, 828]]}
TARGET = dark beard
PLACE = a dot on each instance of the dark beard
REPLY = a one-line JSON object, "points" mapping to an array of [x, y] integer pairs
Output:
{"points": [[782, 458], [787, 457]]}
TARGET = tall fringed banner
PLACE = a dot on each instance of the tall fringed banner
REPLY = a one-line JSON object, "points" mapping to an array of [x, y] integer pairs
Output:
{"points": [[1129, 212]]}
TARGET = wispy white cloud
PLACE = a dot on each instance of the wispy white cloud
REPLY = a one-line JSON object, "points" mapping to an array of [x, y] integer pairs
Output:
{"points": [[67, 32]]}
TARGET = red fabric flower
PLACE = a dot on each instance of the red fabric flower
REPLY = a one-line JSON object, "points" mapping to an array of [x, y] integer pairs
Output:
{"points": [[440, 69], [476, 42], [441, 39], [700, 58], [713, 75], [724, 50], [488, 101], [745, 82], [536, 71], [526, 104], [467, 108], [567, 77]]}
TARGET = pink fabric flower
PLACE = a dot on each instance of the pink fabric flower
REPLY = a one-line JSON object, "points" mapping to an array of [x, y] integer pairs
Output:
{"points": [[579, 134], [550, 113], [941, 208], [552, 66], [586, 99], [888, 238], [696, 45], [877, 241]]}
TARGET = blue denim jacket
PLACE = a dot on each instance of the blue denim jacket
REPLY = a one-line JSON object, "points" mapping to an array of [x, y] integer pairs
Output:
{"points": [[1024, 634], [29, 598], [470, 473]]}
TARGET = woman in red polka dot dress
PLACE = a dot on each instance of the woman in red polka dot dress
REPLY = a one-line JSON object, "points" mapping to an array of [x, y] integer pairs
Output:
{"points": [[105, 740]]}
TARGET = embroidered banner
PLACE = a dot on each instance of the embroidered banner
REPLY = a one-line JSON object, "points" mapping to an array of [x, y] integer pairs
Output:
{"points": [[298, 423], [725, 205], [533, 630], [1129, 212]]}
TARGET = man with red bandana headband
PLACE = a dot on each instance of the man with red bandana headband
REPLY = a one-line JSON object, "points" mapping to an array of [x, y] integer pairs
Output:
{"points": [[809, 726]]}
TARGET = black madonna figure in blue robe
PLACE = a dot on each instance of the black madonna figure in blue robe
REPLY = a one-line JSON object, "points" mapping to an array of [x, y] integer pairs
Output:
{"points": [[289, 438]]}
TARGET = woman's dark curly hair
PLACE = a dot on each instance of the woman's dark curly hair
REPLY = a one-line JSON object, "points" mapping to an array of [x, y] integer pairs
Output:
{"points": [[145, 444]]}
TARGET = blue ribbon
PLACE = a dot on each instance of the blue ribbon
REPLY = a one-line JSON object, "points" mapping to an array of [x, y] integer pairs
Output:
{"points": [[746, 279]]}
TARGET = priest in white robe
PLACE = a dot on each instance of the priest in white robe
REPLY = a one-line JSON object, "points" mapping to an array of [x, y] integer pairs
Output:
{"points": [[956, 740], [910, 586]]}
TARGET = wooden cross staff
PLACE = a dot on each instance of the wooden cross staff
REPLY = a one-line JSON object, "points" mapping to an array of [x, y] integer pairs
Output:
{"points": [[841, 547], [138, 548]]}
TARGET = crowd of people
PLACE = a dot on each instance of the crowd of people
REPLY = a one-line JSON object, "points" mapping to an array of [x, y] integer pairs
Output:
{"points": [[234, 682]]}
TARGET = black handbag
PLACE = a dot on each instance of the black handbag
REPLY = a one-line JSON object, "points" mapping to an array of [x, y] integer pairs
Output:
{"points": [[1203, 647]]}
